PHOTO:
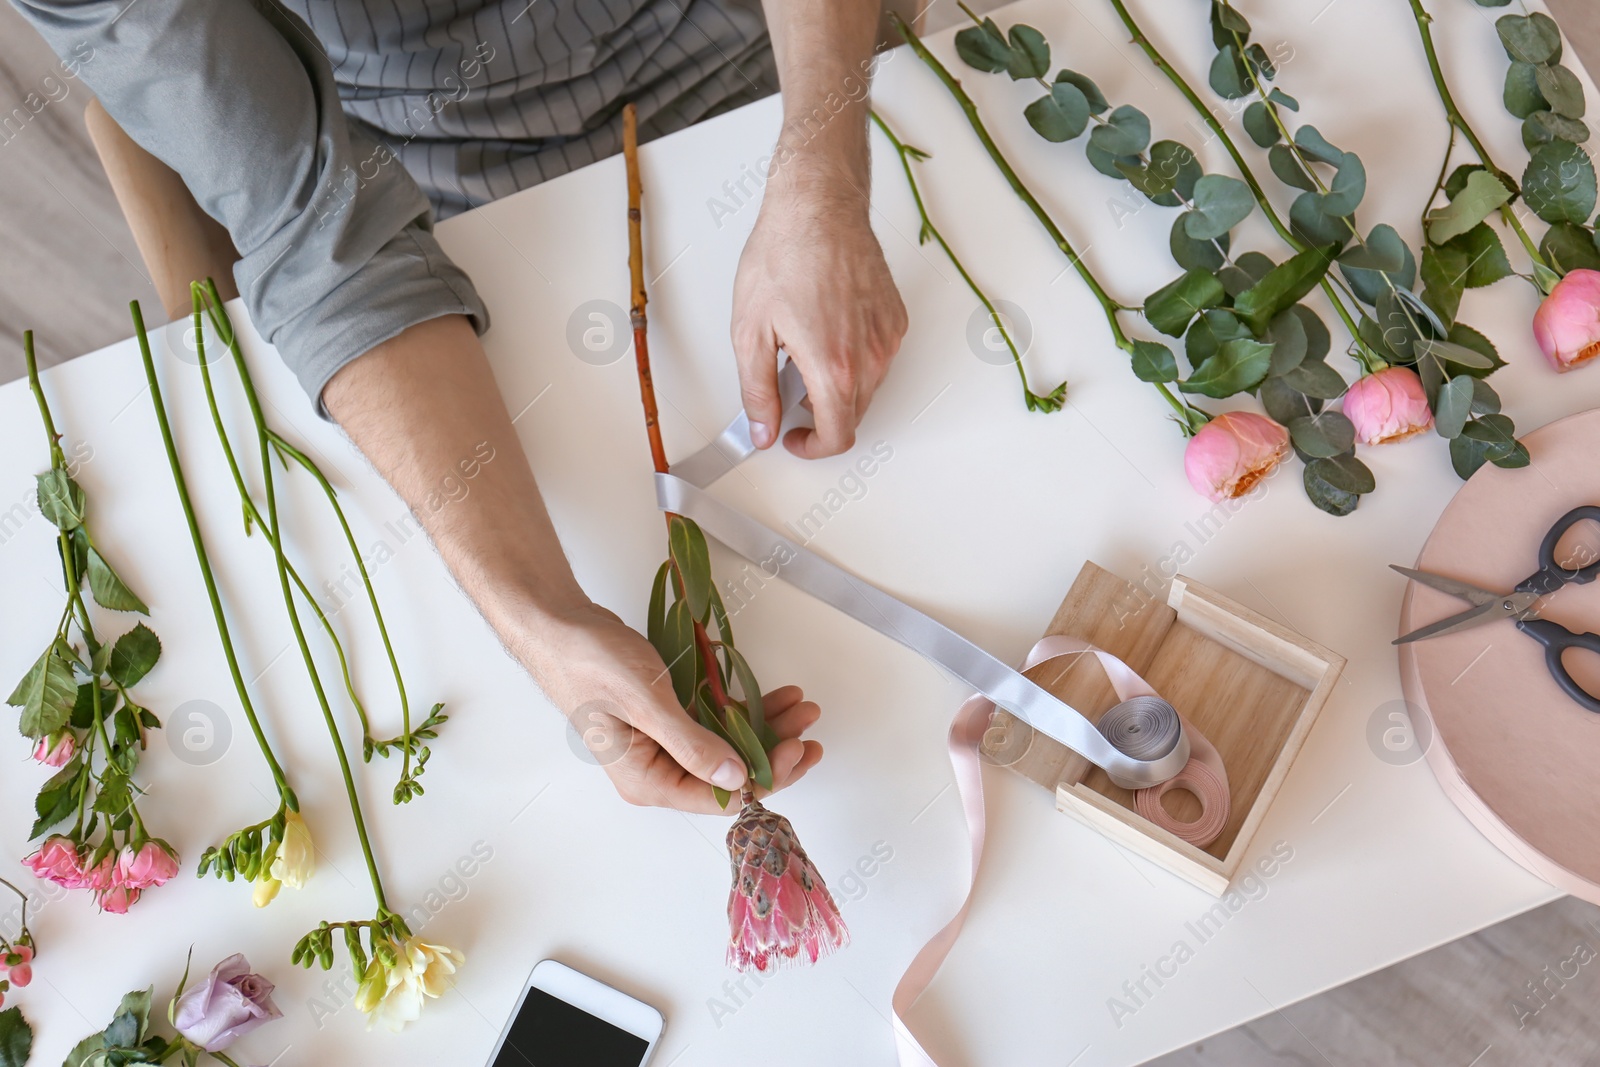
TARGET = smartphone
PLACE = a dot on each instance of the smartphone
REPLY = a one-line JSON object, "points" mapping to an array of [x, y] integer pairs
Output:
{"points": [[567, 1019]]}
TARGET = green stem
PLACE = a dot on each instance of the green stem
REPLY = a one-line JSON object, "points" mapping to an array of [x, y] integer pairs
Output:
{"points": [[58, 458], [217, 614], [294, 620], [24, 936]]}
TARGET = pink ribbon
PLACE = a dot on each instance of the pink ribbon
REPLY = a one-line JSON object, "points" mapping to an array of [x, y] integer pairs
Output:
{"points": [[1204, 775]]}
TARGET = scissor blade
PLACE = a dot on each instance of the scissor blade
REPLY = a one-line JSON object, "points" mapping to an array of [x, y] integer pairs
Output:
{"points": [[1472, 594], [1473, 616]]}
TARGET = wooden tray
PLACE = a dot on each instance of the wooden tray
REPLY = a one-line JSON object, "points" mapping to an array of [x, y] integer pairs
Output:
{"points": [[1251, 686]]}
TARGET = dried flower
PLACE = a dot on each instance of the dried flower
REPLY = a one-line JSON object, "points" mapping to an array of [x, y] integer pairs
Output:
{"points": [[778, 907], [1388, 406], [1233, 452], [1567, 324], [230, 1003], [55, 750]]}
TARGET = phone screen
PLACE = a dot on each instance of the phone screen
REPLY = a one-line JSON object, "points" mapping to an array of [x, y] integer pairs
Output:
{"points": [[549, 1032]]}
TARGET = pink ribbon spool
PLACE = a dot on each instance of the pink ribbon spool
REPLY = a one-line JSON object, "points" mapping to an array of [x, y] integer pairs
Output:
{"points": [[1205, 777]]}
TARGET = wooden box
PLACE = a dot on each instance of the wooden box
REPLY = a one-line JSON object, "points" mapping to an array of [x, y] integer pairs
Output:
{"points": [[1252, 687]]}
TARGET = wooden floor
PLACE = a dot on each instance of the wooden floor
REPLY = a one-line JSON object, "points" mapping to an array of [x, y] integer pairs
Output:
{"points": [[69, 268]]}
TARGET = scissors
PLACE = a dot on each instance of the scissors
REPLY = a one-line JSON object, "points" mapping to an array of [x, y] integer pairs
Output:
{"points": [[1521, 605]]}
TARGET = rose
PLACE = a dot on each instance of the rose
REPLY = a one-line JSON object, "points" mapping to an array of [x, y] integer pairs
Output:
{"points": [[1233, 452], [1567, 324], [1388, 406], [103, 875], [118, 899], [230, 1003], [58, 861], [54, 750], [152, 864]]}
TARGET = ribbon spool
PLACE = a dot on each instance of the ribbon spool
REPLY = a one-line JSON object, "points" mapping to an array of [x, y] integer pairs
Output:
{"points": [[1143, 727], [1147, 727]]}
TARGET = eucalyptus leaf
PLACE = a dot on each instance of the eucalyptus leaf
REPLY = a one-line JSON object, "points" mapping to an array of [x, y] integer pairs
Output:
{"points": [[134, 653], [1220, 204], [1328, 498], [1345, 472], [1542, 127], [1290, 344], [1105, 162], [1283, 99], [1521, 94], [1126, 132], [1326, 434], [1316, 379], [1383, 256], [1228, 76], [1318, 340], [1170, 308], [1259, 125], [1154, 362], [1559, 184], [1314, 226], [1453, 406], [1485, 401], [1091, 92], [1176, 161], [1286, 165], [1452, 352], [984, 47], [1192, 254], [1481, 195], [1226, 22], [1347, 189], [1239, 365], [1311, 143], [1531, 38], [1030, 53], [1561, 88], [1060, 116], [1257, 57], [108, 589], [1285, 403], [1283, 286]]}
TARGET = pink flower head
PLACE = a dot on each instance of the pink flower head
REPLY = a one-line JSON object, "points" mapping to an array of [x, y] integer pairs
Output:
{"points": [[151, 865], [54, 750], [103, 875], [227, 1005], [779, 910], [1567, 324], [16, 965], [58, 861], [118, 899], [1388, 406], [1233, 452]]}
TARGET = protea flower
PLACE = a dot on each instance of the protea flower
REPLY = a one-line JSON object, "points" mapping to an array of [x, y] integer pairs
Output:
{"points": [[779, 910]]}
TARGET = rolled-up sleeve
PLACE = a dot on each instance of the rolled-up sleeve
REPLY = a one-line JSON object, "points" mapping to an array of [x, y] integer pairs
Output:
{"points": [[335, 240]]}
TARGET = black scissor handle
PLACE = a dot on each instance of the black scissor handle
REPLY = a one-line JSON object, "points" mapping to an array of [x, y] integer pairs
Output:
{"points": [[1557, 639], [1551, 575]]}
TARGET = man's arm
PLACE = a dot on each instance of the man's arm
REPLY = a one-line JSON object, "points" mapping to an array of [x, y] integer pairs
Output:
{"points": [[417, 406], [812, 279]]}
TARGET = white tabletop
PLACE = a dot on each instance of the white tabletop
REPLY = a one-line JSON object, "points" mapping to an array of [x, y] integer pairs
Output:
{"points": [[982, 516]]}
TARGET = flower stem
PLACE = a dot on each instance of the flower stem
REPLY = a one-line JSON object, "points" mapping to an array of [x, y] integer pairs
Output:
{"points": [[284, 791]]}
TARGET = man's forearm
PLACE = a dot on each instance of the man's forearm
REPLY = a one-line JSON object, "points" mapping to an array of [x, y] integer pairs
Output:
{"points": [[421, 406], [824, 53]]}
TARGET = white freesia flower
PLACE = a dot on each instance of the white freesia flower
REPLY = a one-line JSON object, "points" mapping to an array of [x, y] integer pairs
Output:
{"points": [[393, 994], [296, 860]]}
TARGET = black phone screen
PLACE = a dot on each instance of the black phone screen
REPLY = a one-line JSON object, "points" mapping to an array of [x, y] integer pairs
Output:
{"points": [[549, 1032]]}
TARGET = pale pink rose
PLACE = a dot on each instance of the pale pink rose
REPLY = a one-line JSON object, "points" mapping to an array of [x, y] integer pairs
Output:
{"points": [[1567, 324], [1388, 406], [58, 861], [54, 750], [103, 875], [16, 965], [118, 899], [1233, 452], [229, 1003], [152, 865]]}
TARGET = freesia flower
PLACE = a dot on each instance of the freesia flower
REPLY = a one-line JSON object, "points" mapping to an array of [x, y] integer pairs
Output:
{"points": [[1388, 406], [16, 965], [392, 993], [58, 861], [1567, 324], [266, 891], [54, 750], [1233, 452], [778, 909], [152, 864], [118, 899], [230, 1003], [296, 860]]}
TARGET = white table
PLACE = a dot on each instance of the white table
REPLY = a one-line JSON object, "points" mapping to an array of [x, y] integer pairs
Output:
{"points": [[982, 516]]}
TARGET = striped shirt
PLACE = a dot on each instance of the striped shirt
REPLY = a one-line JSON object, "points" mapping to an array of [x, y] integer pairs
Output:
{"points": [[326, 135]]}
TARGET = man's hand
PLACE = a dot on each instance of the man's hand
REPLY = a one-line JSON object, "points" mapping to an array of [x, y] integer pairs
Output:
{"points": [[615, 690], [812, 281]]}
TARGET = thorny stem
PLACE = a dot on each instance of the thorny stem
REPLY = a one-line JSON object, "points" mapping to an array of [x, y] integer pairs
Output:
{"points": [[1108, 306], [24, 935], [906, 154], [284, 791]]}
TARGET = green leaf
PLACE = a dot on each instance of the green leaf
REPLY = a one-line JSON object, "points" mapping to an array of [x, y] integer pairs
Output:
{"points": [[1559, 184], [84, 1052], [1485, 256], [1170, 308], [678, 651], [1347, 189], [1283, 286], [1328, 498], [131, 1023], [1060, 116], [1385, 255], [1228, 77], [1259, 125], [1238, 366], [133, 655], [1326, 434], [1284, 403], [1283, 99], [1561, 88], [749, 688], [60, 499], [1286, 165], [83, 706], [1220, 204], [1208, 332], [1531, 39], [1225, 22], [1311, 143], [1030, 53], [1480, 196], [692, 559], [1312, 225], [1091, 92], [656, 617], [1176, 161], [1192, 254], [1154, 362], [1316, 379], [1542, 127], [1344, 472], [1467, 454], [984, 47], [1453, 353], [1568, 247], [45, 694], [1444, 273], [1521, 95], [108, 589], [1466, 337], [749, 746], [1105, 162], [58, 798], [1257, 57], [1126, 132], [1318, 340], [1453, 406], [16, 1038], [1290, 343]]}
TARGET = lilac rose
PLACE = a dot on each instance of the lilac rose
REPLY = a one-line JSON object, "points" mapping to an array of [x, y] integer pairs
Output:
{"points": [[226, 1006]]}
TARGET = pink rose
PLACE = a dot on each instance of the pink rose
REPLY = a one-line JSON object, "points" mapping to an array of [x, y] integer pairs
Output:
{"points": [[103, 875], [1233, 452], [230, 1003], [1388, 406], [151, 865], [16, 965], [58, 861], [118, 899], [54, 750], [1567, 324]]}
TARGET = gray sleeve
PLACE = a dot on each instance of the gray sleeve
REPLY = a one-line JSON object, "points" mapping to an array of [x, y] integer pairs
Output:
{"points": [[335, 239]]}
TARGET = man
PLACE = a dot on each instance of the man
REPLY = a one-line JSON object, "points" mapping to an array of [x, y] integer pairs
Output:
{"points": [[312, 129]]}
